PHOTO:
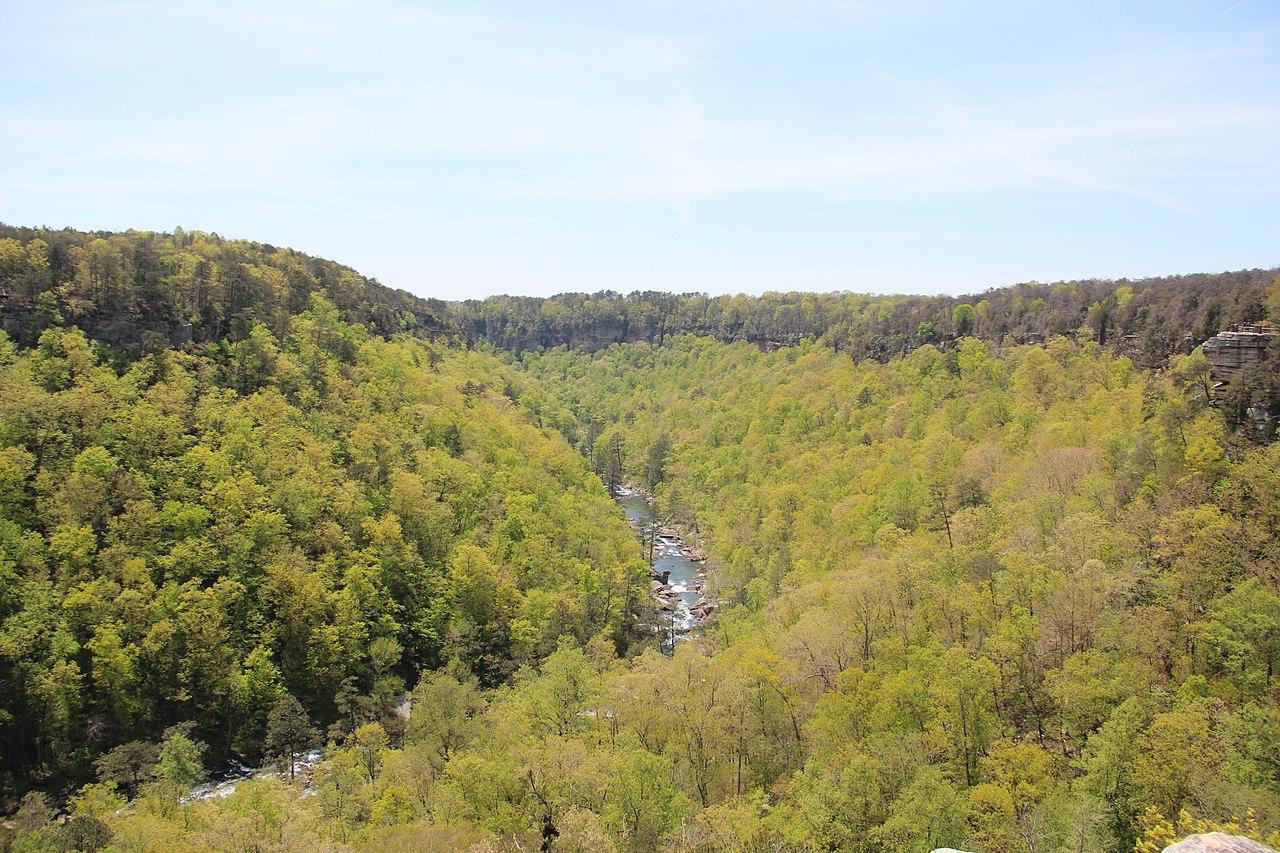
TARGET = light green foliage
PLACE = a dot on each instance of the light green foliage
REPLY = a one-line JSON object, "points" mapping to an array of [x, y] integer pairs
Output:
{"points": [[97, 800], [643, 806], [181, 761], [368, 744], [997, 548], [1183, 739], [564, 697], [1243, 636], [442, 718], [928, 814]]}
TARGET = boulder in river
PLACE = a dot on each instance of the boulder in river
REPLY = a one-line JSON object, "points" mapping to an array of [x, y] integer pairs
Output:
{"points": [[702, 608]]}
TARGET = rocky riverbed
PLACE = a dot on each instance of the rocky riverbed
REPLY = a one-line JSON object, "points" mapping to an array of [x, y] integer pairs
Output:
{"points": [[677, 577], [223, 783]]}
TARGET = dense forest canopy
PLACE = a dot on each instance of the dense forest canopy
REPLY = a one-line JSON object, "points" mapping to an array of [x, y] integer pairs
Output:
{"points": [[1011, 598], [986, 579]]}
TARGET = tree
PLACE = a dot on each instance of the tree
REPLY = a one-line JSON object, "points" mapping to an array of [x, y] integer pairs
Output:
{"points": [[368, 743], [926, 815], [34, 813], [181, 760], [290, 733], [656, 461], [990, 813], [443, 715], [1243, 636], [1176, 758], [556, 700], [611, 462], [962, 316], [129, 765], [643, 804], [87, 834]]}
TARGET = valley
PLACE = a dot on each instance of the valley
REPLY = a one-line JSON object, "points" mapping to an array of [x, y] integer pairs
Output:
{"points": [[1006, 582]]}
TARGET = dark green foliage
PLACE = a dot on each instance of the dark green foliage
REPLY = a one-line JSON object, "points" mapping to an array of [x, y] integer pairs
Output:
{"points": [[87, 834], [129, 765]]}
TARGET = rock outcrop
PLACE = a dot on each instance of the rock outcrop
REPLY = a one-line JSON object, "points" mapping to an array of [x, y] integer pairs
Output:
{"points": [[1239, 347], [1217, 842], [1210, 842]]}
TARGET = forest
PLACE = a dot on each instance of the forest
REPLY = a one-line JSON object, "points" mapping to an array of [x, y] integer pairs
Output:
{"points": [[1011, 588]]}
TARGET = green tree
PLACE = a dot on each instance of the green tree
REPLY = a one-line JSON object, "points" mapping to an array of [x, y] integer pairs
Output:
{"points": [[290, 733], [368, 743], [443, 716], [181, 760], [1243, 636], [928, 814], [129, 765]]}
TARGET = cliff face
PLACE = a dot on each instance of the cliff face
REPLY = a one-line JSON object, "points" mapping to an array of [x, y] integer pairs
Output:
{"points": [[1239, 347], [129, 332], [1147, 320]]}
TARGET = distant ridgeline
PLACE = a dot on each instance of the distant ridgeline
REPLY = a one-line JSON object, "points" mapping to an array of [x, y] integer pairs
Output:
{"points": [[1147, 319], [142, 290]]}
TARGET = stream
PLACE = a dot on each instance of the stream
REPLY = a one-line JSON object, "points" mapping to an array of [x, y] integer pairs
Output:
{"points": [[680, 596]]}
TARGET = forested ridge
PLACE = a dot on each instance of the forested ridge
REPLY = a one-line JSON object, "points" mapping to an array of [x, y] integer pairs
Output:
{"points": [[1145, 319], [140, 290], [1004, 589]]}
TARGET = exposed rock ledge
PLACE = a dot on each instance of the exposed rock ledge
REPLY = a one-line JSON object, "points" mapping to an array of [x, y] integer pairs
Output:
{"points": [[1206, 843], [1210, 842], [1216, 842]]}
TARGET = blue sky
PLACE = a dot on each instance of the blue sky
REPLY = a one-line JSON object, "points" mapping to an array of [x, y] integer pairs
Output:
{"points": [[462, 149]]}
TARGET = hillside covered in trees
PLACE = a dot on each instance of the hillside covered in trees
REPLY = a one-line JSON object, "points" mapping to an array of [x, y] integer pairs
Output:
{"points": [[982, 592], [189, 535], [143, 290], [1005, 599]]}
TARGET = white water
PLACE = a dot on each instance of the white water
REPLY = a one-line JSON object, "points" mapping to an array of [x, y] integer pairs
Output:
{"points": [[667, 558], [223, 784]]}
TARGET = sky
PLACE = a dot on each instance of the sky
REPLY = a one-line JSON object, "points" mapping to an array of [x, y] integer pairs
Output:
{"points": [[458, 150]]}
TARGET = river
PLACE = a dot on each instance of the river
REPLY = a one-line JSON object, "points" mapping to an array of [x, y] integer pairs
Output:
{"points": [[685, 575], [223, 783]]}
